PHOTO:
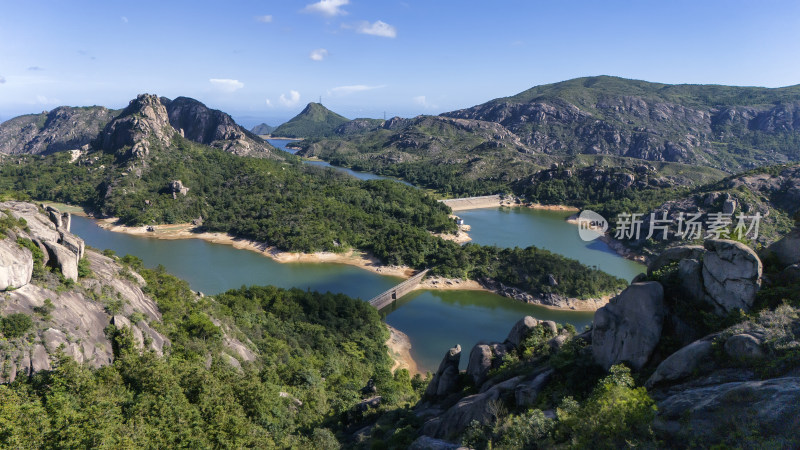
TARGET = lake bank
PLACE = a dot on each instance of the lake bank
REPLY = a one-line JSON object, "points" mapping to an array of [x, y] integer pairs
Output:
{"points": [[355, 258], [400, 351], [189, 231], [615, 245]]}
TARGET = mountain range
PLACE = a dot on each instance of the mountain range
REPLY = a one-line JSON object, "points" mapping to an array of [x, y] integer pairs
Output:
{"points": [[499, 142], [69, 128]]}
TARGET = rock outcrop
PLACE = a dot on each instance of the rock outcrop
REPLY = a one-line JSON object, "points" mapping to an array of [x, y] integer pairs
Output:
{"points": [[143, 123], [69, 320], [731, 275], [629, 327], [176, 187], [445, 380], [16, 265], [682, 363], [62, 129], [472, 408], [787, 249], [212, 127], [705, 413]]}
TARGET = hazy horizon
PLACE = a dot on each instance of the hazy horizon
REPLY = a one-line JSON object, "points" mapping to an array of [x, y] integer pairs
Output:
{"points": [[263, 61]]}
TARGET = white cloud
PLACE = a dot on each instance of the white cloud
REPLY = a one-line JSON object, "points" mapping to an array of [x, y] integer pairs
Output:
{"points": [[378, 28], [42, 100], [293, 99], [226, 85], [347, 90], [421, 100], [124, 19], [318, 54], [269, 103], [327, 7], [2, 79], [264, 19]]}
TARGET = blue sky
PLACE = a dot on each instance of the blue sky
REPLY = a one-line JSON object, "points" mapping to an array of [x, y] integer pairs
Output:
{"points": [[264, 60]]}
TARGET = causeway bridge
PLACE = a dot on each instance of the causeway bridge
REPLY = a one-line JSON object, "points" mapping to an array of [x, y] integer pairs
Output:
{"points": [[382, 300]]}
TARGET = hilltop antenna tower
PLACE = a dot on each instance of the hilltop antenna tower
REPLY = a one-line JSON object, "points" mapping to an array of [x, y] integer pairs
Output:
{"points": [[320, 99]]}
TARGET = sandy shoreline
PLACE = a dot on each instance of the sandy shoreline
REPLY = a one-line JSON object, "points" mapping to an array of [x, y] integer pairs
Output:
{"points": [[189, 231], [400, 351], [351, 257]]}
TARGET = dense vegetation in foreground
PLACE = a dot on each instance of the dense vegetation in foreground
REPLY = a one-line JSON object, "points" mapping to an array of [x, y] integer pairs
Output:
{"points": [[291, 206], [318, 352]]}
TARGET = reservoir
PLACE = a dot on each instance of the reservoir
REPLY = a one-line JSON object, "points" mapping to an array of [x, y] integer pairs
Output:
{"points": [[523, 227], [433, 320], [281, 144]]}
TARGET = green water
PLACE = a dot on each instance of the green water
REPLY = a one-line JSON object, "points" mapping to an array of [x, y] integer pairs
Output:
{"points": [[281, 144], [433, 320], [523, 227]]}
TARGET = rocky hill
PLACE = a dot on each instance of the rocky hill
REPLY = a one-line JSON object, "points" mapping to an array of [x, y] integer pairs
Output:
{"points": [[69, 309], [725, 127], [64, 128], [703, 351], [314, 121], [262, 129], [213, 127], [722, 129], [62, 299], [77, 129]]}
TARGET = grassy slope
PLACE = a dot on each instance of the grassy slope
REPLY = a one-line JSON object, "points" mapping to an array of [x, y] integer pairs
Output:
{"points": [[314, 121]]}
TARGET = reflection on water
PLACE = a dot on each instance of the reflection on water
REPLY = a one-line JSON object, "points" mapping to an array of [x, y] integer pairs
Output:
{"points": [[281, 144], [523, 227], [433, 320]]}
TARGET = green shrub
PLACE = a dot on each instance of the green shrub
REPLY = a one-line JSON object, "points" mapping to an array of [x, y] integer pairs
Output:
{"points": [[84, 268], [616, 415], [15, 325], [38, 257]]}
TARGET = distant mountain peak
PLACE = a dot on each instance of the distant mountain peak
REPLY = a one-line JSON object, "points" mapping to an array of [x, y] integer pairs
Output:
{"points": [[314, 121], [262, 129]]}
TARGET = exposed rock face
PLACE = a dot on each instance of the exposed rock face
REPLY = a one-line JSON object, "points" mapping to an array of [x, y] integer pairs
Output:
{"points": [[143, 123], [682, 363], [546, 299], [521, 330], [675, 254], [629, 327], [429, 443], [474, 407], [744, 346], [769, 407], [16, 265], [445, 380], [731, 275], [526, 392], [213, 127], [64, 259], [609, 115], [77, 321], [177, 187], [483, 358], [64, 128], [788, 248]]}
